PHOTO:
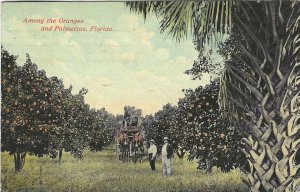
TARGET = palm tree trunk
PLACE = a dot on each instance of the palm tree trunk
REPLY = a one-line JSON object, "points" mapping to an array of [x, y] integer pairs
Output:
{"points": [[260, 83], [265, 68]]}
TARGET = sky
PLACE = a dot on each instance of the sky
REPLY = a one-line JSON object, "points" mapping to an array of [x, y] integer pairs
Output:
{"points": [[132, 64]]}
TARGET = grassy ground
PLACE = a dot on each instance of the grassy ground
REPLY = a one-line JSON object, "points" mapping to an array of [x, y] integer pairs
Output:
{"points": [[101, 171]]}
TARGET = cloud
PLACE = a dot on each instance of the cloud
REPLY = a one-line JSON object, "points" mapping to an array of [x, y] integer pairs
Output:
{"points": [[97, 80], [132, 65], [127, 57], [57, 11], [112, 45], [149, 66], [130, 23], [182, 60], [72, 47], [65, 38], [162, 54]]}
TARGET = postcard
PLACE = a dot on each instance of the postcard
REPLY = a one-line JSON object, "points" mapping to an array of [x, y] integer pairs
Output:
{"points": [[150, 96]]}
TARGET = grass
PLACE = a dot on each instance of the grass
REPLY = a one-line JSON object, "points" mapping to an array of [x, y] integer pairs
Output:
{"points": [[101, 171]]}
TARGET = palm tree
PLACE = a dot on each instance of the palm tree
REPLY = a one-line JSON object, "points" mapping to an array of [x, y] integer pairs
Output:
{"points": [[260, 83]]}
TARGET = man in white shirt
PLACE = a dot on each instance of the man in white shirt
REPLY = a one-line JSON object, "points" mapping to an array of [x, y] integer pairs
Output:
{"points": [[152, 154], [166, 154]]}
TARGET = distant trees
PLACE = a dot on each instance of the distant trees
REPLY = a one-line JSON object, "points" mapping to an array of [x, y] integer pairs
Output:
{"points": [[73, 133], [39, 116], [160, 125], [103, 129]]}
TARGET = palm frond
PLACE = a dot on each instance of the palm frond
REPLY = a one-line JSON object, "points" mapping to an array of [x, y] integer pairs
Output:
{"points": [[211, 18], [145, 7], [178, 18], [203, 19]]}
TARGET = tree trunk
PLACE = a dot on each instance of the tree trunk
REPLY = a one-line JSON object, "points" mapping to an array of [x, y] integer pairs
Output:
{"points": [[262, 82], [19, 158], [60, 155]]}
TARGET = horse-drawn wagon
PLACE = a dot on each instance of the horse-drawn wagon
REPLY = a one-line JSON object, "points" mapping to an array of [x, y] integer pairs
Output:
{"points": [[129, 142]]}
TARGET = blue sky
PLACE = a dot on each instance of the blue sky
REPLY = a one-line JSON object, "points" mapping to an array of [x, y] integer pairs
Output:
{"points": [[134, 64]]}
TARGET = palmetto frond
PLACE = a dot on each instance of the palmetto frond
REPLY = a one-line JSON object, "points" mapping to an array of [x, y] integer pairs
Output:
{"points": [[178, 18], [261, 84], [203, 19], [145, 7], [213, 17]]}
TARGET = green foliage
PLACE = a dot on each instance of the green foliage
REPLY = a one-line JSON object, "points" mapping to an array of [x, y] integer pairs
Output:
{"points": [[203, 19], [39, 116], [26, 107], [160, 125], [204, 64], [73, 132], [207, 136], [103, 129], [101, 171], [196, 125]]}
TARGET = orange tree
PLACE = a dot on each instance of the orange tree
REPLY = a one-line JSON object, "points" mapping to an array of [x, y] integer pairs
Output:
{"points": [[26, 109], [73, 132], [204, 133], [103, 129], [39, 115], [161, 125], [81, 127]]}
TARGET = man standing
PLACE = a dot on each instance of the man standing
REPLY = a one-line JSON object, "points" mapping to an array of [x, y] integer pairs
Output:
{"points": [[166, 154], [152, 154]]}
